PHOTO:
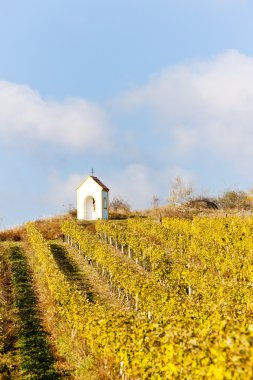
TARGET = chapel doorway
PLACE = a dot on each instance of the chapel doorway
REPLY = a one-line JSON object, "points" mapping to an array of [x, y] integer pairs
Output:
{"points": [[90, 207]]}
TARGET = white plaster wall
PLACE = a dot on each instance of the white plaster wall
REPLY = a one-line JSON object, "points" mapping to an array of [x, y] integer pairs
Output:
{"points": [[89, 188]]}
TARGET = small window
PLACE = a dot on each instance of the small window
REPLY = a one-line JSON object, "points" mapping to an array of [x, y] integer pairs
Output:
{"points": [[105, 202]]}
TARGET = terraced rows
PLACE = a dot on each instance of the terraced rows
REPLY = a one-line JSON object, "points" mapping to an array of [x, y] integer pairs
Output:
{"points": [[35, 341], [88, 312], [25, 349], [207, 329]]}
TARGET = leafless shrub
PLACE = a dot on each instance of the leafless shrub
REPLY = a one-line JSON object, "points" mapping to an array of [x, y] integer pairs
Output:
{"points": [[119, 205]]}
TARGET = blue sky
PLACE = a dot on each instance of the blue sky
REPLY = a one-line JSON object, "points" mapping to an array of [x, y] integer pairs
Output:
{"points": [[140, 90]]}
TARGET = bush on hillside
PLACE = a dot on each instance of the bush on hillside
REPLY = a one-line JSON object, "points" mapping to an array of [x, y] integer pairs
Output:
{"points": [[119, 206], [235, 200], [202, 203]]}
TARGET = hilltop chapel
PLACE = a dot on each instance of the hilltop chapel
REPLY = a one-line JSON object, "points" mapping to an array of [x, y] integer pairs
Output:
{"points": [[92, 199]]}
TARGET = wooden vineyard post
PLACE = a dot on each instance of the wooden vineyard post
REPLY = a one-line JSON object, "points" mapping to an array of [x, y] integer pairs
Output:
{"points": [[136, 302]]}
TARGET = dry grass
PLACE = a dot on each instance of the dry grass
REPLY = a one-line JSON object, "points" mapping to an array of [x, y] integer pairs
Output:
{"points": [[14, 234], [49, 227], [185, 212], [169, 212]]}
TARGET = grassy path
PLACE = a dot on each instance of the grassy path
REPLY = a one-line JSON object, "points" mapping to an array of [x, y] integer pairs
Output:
{"points": [[72, 358], [25, 351], [37, 360], [96, 286], [35, 343], [69, 348], [9, 361]]}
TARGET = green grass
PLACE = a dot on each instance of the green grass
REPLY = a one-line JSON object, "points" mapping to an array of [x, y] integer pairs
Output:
{"points": [[95, 286], [8, 321], [36, 343], [70, 349], [37, 360], [70, 269]]}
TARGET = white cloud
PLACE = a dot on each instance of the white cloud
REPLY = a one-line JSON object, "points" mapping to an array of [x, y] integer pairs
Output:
{"points": [[203, 104], [61, 194], [72, 123], [138, 182], [134, 184], [130, 184], [202, 109]]}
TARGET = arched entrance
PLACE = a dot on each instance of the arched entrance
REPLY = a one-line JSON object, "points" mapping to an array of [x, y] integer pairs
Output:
{"points": [[90, 207]]}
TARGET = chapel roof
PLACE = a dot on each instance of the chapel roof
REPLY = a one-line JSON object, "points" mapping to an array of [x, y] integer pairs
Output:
{"points": [[100, 183], [97, 181]]}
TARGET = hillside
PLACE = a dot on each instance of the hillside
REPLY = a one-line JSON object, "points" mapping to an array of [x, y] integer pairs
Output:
{"points": [[127, 298]]}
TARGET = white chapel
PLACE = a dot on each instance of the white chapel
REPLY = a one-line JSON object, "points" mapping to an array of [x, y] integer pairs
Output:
{"points": [[92, 199]]}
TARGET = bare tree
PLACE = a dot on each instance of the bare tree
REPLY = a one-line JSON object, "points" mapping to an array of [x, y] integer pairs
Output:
{"points": [[155, 201], [179, 191], [119, 205]]}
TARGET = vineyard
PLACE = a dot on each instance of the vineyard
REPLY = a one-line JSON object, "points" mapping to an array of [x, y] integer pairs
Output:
{"points": [[130, 300]]}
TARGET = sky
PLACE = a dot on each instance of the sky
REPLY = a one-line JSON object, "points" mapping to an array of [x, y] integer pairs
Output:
{"points": [[140, 90]]}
